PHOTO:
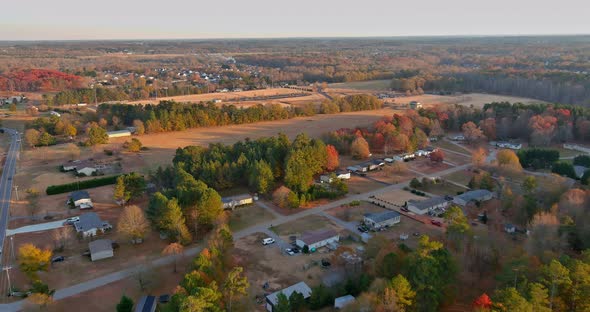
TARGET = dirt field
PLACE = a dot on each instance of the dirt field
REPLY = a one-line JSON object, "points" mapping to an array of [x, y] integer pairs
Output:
{"points": [[305, 224], [358, 185], [372, 85], [398, 197], [247, 216], [426, 166], [354, 213], [457, 159], [387, 175]]}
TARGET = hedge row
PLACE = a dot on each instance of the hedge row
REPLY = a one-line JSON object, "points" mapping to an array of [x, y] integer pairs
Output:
{"points": [[70, 187]]}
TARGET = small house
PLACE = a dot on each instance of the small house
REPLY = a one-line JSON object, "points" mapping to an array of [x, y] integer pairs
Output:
{"points": [[472, 196], [458, 138], [146, 304], [355, 169], [343, 301], [317, 239], [509, 228], [343, 175], [119, 133], [273, 299], [81, 199], [235, 201], [378, 162], [382, 219], [100, 249], [89, 224], [422, 207]]}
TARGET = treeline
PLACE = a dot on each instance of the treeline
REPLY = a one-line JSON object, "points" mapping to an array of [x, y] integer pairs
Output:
{"points": [[39, 80], [172, 116]]}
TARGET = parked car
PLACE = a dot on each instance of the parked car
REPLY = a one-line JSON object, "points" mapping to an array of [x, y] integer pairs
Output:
{"points": [[416, 234], [295, 250], [268, 241], [363, 229], [70, 221], [57, 259], [289, 251], [435, 222]]}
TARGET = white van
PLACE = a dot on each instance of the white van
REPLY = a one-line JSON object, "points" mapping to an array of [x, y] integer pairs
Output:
{"points": [[268, 241]]}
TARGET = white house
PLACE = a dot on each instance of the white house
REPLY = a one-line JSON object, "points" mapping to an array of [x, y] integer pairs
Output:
{"points": [[119, 133], [235, 201], [100, 249], [343, 174], [273, 299], [81, 199], [415, 105], [382, 219], [317, 239], [472, 196], [89, 224], [426, 206]]}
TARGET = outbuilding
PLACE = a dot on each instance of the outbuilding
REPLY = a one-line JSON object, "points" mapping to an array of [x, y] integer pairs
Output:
{"points": [[317, 239], [273, 299], [343, 301], [81, 199], [382, 219], [101, 249]]}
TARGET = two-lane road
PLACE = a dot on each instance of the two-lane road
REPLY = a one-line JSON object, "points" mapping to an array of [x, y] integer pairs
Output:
{"points": [[6, 182]]}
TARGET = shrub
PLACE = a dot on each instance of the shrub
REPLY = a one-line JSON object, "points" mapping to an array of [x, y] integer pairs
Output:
{"points": [[70, 187], [355, 203]]}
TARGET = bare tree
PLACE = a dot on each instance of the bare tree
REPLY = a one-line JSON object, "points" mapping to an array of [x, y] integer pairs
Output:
{"points": [[62, 237], [133, 224], [33, 199]]}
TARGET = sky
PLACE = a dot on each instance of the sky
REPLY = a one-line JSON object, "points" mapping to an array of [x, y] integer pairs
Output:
{"points": [[196, 19]]}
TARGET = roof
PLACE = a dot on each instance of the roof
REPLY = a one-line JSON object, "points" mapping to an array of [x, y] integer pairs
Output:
{"points": [[580, 170], [317, 236], [237, 198], [125, 131], [100, 245], [88, 221], [474, 195], [426, 204], [342, 301], [77, 195], [300, 287], [382, 216], [146, 304]]}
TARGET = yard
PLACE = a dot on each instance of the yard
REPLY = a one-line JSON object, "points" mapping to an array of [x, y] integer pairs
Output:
{"points": [[354, 213], [358, 185], [247, 216], [426, 166], [302, 225], [461, 177], [443, 188]]}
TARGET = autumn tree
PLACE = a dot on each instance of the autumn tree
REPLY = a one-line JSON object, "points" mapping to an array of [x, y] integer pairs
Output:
{"points": [[132, 223], [488, 126], [235, 284], [507, 159], [482, 303], [32, 137], [134, 146], [62, 237], [97, 135], [121, 195], [472, 133], [139, 127], [438, 156], [333, 158], [32, 259], [403, 292], [359, 148], [479, 156], [173, 249]]}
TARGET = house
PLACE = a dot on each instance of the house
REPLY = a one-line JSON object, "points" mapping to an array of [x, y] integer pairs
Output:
{"points": [[146, 304], [415, 105], [118, 133], [100, 249], [372, 165], [580, 170], [382, 219], [576, 147], [343, 301], [81, 199], [356, 169], [472, 196], [89, 224], [12, 100], [342, 174], [272, 300], [427, 206], [317, 239], [235, 201], [509, 228], [378, 162], [458, 138]]}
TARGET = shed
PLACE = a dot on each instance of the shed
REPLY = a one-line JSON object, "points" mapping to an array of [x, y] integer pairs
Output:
{"points": [[272, 299], [317, 239], [81, 199], [424, 206], [100, 249], [146, 304], [119, 133], [343, 174], [382, 219], [341, 302], [472, 196]]}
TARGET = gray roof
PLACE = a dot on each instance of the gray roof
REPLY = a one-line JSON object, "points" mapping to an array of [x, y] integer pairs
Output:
{"points": [[317, 236], [382, 216], [428, 203], [146, 304], [88, 221], [100, 245], [474, 195], [229, 199], [300, 287], [580, 170], [342, 301], [77, 195]]}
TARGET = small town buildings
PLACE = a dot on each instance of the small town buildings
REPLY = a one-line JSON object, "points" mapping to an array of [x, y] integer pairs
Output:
{"points": [[343, 301], [100, 249], [422, 207], [81, 199], [472, 196], [89, 224], [382, 219], [502, 144], [146, 304], [389, 160], [235, 201], [317, 239], [12, 100], [119, 133], [458, 138], [272, 300]]}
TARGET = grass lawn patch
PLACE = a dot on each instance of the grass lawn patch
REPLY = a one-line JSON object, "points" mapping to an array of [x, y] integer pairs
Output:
{"points": [[244, 217]]}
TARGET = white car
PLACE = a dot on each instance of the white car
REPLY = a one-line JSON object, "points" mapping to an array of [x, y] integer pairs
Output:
{"points": [[289, 251], [71, 220], [268, 241]]}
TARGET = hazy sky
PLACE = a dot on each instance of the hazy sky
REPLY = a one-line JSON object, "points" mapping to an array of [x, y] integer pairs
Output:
{"points": [[133, 19]]}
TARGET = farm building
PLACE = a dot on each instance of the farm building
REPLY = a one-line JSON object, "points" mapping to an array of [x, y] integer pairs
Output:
{"points": [[317, 239], [146, 304], [472, 196], [272, 300], [100, 249], [81, 199], [89, 224], [119, 133], [235, 201], [343, 301], [426, 206], [382, 219]]}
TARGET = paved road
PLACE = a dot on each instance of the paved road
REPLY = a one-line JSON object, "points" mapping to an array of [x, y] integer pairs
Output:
{"points": [[6, 182], [258, 228]]}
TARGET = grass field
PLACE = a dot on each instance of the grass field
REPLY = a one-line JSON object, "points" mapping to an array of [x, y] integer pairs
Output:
{"points": [[299, 226], [461, 177], [375, 85], [247, 216], [450, 146]]}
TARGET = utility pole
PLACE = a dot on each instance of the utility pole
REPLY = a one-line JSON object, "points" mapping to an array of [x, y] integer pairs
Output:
{"points": [[16, 191], [8, 275]]}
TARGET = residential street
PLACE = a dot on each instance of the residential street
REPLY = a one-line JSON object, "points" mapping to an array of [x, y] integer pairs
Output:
{"points": [[6, 182]]}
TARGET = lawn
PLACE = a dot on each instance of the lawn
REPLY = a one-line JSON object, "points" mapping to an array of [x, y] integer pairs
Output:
{"points": [[354, 213], [443, 188], [363, 85], [461, 177], [305, 224], [247, 216], [450, 146]]}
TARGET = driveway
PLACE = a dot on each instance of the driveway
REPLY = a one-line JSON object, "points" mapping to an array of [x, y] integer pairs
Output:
{"points": [[36, 227]]}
